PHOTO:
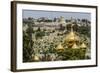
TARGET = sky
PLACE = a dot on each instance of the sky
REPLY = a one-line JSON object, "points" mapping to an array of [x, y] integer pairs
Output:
{"points": [[52, 14]]}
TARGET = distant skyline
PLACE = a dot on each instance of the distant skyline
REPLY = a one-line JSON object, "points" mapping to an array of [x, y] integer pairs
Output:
{"points": [[52, 14]]}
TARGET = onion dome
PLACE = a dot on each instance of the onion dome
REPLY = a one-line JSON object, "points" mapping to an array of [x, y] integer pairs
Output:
{"points": [[75, 46], [59, 47], [66, 46], [72, 37], [83, 45], [36, 58]]}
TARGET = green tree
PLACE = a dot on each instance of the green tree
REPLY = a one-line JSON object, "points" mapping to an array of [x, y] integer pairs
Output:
{"points": [[27, 43]]}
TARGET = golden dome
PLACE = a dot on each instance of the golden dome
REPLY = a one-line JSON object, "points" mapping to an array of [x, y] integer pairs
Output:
{"points": [[72, 37], [75, 46], [36, 58], [59, 47], [66, 46], [83, 45]]}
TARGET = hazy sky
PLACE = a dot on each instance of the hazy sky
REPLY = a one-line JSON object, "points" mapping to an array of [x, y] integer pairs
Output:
{"points": [[52, 14]]}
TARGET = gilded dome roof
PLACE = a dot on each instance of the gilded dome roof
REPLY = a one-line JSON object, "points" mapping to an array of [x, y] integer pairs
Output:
{"points": [[59, 47], [83, 45], [72, 37], [36, 58], [75, 46]]}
